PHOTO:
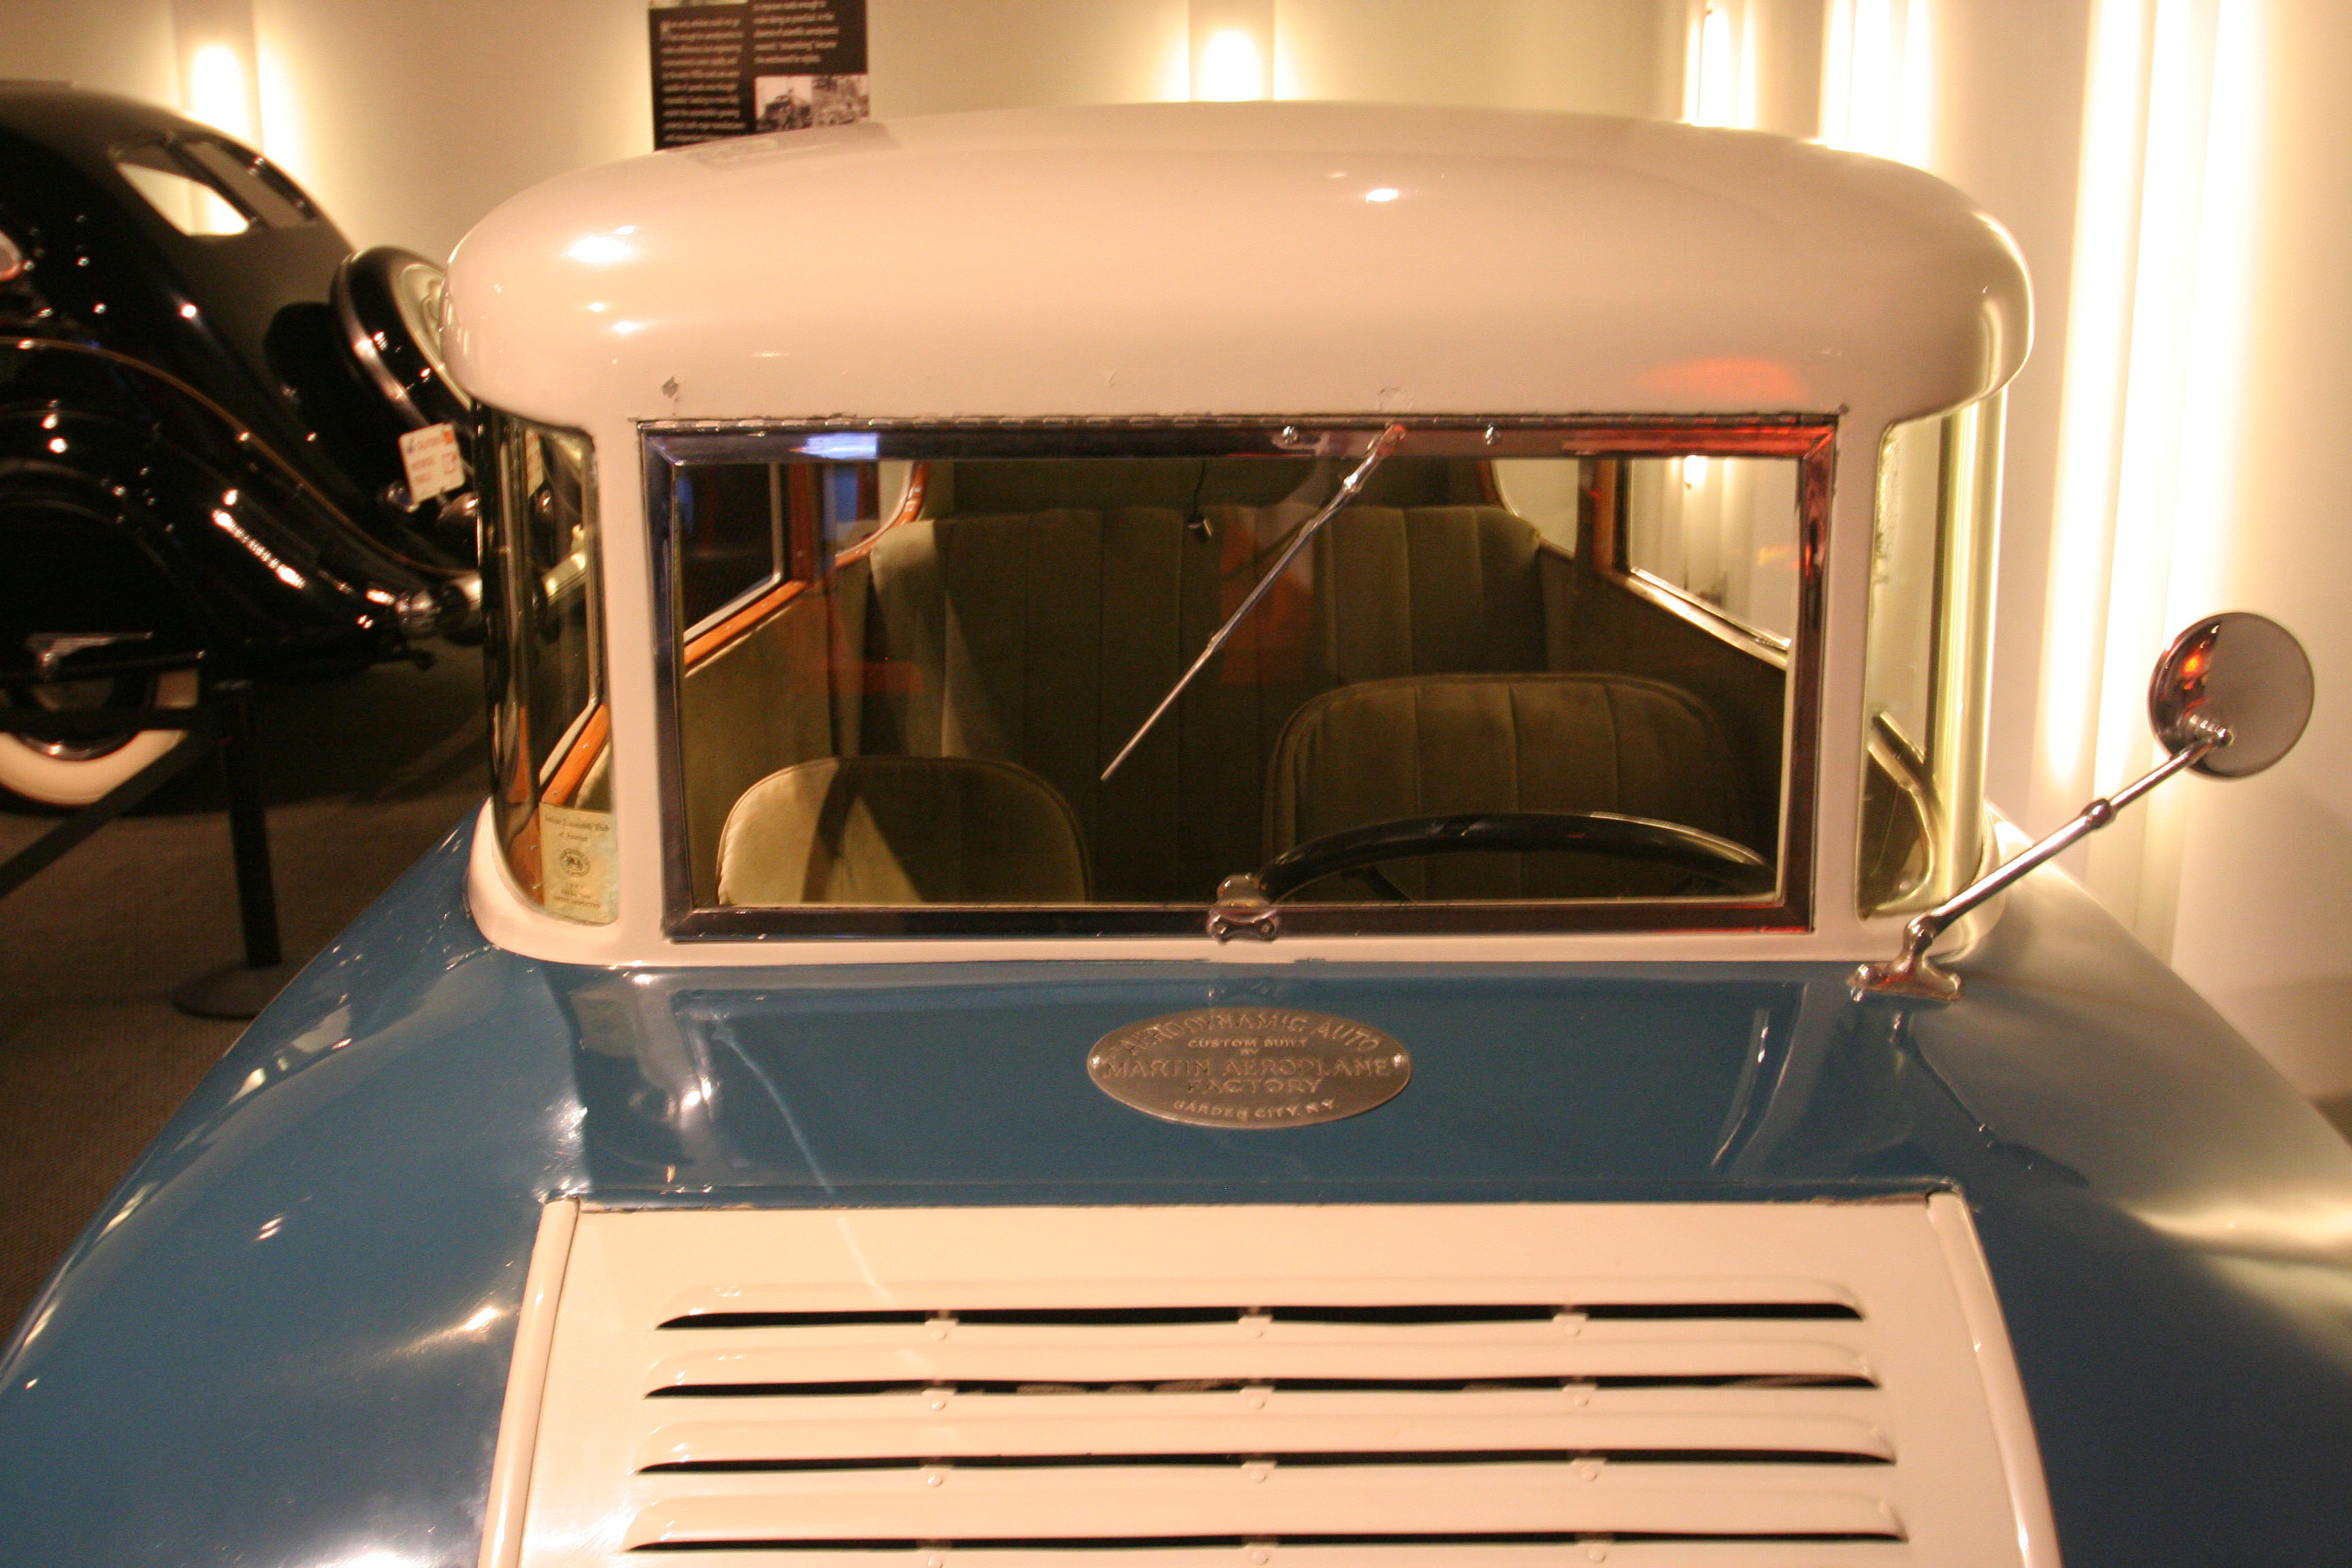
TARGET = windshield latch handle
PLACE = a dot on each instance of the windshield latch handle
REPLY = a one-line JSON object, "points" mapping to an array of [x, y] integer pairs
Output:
{"points": [[1243, 910]]}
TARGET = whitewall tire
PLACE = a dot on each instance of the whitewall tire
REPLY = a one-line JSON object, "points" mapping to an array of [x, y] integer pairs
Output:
{"points": [[77, 775]]}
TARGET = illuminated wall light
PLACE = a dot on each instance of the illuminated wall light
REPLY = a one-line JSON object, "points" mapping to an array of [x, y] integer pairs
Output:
{"points": [[1723, 63], [2098, 321], [1915, 111], [1231, 69], [1694, 472], [220, 90], [1878, 76], [1232, 44], [1711, 96], [1837, 75], [2148, 436], [2222, 321], [282, 133], [214, 43]]}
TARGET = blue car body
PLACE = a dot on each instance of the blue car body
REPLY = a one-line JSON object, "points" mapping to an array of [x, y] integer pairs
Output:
{"points": [[259, 1352]]}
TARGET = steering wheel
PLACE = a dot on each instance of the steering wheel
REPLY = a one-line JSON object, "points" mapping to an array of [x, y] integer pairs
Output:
{"points": [[1732, 867]]}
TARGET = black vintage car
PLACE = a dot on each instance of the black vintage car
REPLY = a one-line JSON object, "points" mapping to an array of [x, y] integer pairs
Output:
{"points": [[203, 397]]}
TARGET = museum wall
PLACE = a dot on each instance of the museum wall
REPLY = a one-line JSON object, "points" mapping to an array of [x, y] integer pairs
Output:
{"points": [[2174, 172]]}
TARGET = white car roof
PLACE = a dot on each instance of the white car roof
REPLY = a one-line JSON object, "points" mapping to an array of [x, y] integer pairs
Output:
{"points": [[1167, 259]]}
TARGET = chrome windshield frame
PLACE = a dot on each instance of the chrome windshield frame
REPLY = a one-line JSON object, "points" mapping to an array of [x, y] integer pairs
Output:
{"points": [[1809, 438]]}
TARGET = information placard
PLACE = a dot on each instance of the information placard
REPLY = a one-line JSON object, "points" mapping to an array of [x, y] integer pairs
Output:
{"points": [[741, 67]]}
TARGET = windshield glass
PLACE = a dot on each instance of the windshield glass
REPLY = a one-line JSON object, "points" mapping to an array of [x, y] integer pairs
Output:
{"points": [[904, 663]]}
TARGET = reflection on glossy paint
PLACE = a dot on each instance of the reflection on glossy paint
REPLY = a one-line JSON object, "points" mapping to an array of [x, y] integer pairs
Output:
{"points": [[2304, 1228], [260, 552], [602, 250], [2315, 1298]]}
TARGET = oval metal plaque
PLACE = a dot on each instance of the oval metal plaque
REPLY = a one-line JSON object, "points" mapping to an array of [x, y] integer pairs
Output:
{"points": [[1249, 1067]]}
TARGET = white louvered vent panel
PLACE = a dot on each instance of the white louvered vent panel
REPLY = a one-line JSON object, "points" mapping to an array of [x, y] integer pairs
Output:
{"points": [[1482, 1386]]}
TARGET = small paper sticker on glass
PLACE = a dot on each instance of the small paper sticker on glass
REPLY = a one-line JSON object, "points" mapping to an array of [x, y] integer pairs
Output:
{"points": [[576, 863]]}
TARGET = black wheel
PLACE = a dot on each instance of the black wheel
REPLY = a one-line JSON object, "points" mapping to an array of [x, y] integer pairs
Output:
{"points": [[1734, 867], [76, 593]]}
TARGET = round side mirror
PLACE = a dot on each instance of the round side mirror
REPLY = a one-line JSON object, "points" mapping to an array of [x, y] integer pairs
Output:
{"points": [[2241, 672]]}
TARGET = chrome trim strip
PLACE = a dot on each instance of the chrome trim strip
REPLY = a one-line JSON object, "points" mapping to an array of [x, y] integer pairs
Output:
{"points": [[1809, 438], [669, 664], [1675, 600]]}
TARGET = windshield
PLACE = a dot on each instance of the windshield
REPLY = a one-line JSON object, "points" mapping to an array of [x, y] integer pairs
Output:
{"points": [[1505, 681]]}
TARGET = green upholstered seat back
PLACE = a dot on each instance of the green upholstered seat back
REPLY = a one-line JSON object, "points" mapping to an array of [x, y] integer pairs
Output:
{"points": [[1044, 638], [900, 830], [782, 694], [1441, 744]]}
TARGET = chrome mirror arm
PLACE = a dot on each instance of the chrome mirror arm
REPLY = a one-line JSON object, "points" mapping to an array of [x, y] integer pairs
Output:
{"points": [[1382, 445], [1912, 973]]}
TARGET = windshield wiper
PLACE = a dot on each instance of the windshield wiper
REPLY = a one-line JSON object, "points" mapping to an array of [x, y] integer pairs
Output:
{"points": [[1382, 445]]}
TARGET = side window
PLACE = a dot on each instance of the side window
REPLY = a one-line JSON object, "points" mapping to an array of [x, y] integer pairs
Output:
{"points": [[731, 537], [250, 180], [543, 615], [203, 186], [1719, 530], [746, 529], [1929, 656]]}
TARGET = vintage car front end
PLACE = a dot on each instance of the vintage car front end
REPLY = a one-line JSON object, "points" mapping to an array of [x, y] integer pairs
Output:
{"points": [[1174, 878]]}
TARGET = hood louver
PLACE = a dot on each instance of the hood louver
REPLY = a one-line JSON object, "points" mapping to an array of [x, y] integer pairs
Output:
{"points": [[1476, 1387]]}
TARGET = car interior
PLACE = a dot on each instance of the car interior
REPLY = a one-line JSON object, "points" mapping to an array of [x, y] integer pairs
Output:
{"points": [[921, 711]]}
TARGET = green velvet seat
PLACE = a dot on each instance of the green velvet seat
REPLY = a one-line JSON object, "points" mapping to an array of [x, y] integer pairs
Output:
{"points": [[1044, 638], [901, 830], [1438, 745]]}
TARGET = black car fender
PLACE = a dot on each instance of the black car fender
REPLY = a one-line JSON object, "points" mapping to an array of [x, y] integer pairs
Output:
{"points": [[87, 501]]}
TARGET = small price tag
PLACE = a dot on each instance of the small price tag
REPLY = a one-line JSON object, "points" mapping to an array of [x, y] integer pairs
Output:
{"points": [[431, 458]]}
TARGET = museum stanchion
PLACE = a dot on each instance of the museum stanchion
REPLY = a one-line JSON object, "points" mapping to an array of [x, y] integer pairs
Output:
{"points": [[221, 722]]}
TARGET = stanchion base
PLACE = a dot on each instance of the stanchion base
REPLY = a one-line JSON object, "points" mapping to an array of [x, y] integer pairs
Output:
{"points": [[239, 990]]}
